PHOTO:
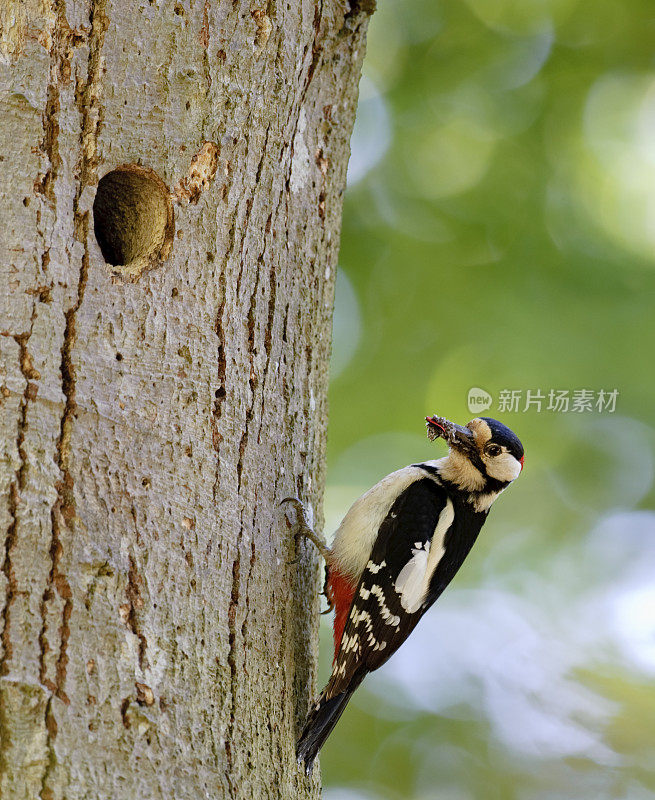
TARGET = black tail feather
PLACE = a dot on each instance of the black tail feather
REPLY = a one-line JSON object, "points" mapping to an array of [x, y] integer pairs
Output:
{"points": [[321, 720]]}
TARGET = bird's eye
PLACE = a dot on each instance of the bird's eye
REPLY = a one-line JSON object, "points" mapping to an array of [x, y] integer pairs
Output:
{"points": [[493, 450]]}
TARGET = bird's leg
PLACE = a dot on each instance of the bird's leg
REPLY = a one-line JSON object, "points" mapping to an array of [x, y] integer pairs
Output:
{"points": [[305, 530], [327, 594]]}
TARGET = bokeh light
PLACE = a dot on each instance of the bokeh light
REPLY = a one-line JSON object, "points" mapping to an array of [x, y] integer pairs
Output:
{"points": [[499, 232]]}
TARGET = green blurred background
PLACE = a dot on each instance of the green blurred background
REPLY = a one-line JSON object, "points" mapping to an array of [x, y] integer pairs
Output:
{"points": [[499, 232]]}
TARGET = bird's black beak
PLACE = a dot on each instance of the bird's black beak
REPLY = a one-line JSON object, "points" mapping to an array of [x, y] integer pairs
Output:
{"points": [[456, 436]]}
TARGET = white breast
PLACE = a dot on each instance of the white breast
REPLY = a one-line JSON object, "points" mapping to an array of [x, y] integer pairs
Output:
{"points": [[356, 535]]}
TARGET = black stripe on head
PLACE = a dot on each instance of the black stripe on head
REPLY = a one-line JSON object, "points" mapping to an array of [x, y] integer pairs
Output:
{"points": [[501, 434]]}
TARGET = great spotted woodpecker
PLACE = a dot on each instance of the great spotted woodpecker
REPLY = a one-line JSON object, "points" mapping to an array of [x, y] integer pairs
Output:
{"points": [[397, 549]]}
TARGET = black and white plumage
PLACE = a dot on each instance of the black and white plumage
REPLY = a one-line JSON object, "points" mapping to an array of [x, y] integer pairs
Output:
{"points": [[397, 549]]}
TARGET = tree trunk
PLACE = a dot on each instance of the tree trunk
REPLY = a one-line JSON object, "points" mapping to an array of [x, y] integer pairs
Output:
{"points": [[170, 182]]}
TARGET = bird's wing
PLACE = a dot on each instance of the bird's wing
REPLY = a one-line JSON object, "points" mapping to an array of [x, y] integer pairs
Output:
{"points": [[395, 584]]}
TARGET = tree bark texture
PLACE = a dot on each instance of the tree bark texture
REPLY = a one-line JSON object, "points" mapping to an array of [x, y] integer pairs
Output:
{"points": [[171, 176]]}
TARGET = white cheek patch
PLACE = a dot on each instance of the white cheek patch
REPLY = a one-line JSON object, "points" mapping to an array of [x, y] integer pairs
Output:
{"points": [[413, 579], [504, 467]]}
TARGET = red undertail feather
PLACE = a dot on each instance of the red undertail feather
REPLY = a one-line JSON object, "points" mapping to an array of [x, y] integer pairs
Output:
{"points": [[340, 592]]}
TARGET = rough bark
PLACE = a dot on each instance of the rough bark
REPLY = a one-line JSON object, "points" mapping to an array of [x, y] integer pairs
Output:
{"points": [[155, 639]]}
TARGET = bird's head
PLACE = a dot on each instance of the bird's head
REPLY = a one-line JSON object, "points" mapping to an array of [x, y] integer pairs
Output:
{"points": [[483, 447]]}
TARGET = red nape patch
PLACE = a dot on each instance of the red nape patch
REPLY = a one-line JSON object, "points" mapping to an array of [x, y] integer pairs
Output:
{"points": [[522, 460], [340, 592]]}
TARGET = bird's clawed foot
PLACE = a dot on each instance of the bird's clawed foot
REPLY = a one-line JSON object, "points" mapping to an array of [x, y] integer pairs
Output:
{"points": [[304, 529]]}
